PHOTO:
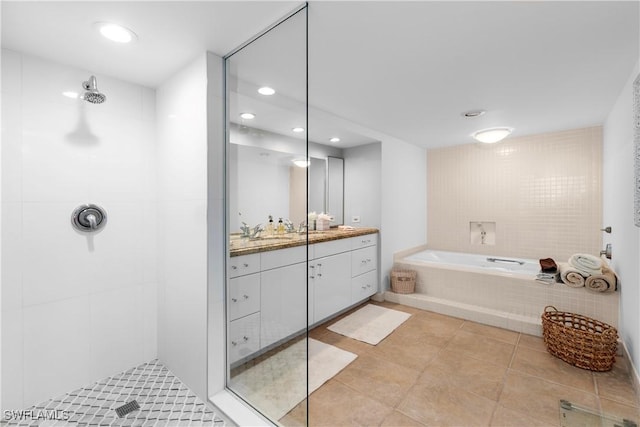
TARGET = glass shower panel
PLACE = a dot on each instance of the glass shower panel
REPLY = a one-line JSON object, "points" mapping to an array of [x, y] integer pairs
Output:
{"points": [[267, 271]]}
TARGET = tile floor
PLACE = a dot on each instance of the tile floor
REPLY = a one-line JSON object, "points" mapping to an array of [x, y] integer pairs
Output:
{"points": [[436, 370], [164, 401]]}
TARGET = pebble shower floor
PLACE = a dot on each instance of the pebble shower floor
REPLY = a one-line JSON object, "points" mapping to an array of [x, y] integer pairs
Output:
{"points": [[164, 401]]}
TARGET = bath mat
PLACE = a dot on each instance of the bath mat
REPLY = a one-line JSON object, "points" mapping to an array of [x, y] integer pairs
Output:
{"points": [[276, 385], [370, 324]]}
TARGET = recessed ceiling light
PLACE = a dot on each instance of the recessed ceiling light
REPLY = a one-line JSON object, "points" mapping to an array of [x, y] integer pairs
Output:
{"points": [[248, 116], [301, 163], [298, 129], [473, 113], [334, 139], [115, 32], [492, 135], [266, 90], [70, 94]]}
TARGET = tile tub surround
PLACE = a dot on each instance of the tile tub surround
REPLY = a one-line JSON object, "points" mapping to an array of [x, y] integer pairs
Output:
{"points": [[163, 400], [441, 370], [544, 192], [507, 302], [240, 246]]}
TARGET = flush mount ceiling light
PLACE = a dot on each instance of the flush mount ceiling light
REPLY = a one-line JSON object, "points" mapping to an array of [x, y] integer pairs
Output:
{"points": [[266, 90], [473, 113], [298, 129], [301, 163], [492, 135], [248, 116], [116, 33], [334, 139]]}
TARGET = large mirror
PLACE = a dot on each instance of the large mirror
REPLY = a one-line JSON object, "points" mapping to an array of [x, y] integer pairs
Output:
{"points": [[268, 175]]}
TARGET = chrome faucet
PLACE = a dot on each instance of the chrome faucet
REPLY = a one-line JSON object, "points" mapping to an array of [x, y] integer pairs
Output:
{"points": [[257, 229], [246, 230], [289, 227], [302, 228]]}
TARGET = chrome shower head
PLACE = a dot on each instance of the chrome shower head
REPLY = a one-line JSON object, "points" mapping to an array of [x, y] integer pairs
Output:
{"points": [[92, 94]]}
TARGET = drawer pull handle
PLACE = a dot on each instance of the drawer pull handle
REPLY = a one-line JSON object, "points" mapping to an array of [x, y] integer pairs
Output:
{"points": [[245, 338], [245, 265], [234, 299], [234, 267], [234, 343], [319, 274], [364, 287], [312, 277], [246, 296]]}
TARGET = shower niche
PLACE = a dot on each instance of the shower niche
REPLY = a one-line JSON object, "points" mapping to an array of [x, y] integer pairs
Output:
{"points": [[482, 233]]}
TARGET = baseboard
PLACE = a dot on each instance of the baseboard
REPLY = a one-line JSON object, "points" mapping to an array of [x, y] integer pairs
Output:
{"points": [[238, 411], [633, 372]]}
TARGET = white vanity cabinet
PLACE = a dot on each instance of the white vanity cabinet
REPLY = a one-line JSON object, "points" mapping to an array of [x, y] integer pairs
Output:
{"points": [[271, 293]]}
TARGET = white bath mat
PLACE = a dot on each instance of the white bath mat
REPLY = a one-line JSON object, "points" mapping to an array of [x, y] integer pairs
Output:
{"points": [[276, 385], [370, 324]]}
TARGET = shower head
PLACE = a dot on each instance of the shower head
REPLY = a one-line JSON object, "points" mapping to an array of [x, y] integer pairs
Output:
{"points": [[92, 94]]}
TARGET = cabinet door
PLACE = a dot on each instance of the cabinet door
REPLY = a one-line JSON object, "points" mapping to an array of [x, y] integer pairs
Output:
{"points": [[364, 286], [243, 296], [331, 284], [283, 306], [244, 337]]}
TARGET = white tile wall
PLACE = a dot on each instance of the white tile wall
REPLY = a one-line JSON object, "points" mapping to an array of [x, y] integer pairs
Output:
{"points": [[75, 307], [542, 191]]}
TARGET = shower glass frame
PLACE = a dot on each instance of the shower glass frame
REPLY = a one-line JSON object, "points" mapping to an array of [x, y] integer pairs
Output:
{"points": [[233, 81]]}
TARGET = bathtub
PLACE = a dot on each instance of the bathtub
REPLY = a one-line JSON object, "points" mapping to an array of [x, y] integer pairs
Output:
{"points": [[495, 290]]}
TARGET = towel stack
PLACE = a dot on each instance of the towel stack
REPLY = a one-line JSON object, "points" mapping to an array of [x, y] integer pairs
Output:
{"points": [[584, 270], [548, 272]]}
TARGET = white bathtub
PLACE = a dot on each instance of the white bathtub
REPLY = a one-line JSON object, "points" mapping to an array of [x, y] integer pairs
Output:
{"points": [[495, 290], [499, 265]]}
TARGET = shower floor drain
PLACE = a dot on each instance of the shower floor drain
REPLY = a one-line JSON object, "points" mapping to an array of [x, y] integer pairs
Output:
{"points": [[127, 408]]}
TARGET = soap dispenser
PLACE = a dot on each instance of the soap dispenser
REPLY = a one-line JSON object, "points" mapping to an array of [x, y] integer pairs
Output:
{"points": [[280, 226], [270, 226]]}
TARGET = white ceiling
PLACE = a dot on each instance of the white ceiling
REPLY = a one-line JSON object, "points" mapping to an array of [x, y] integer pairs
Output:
{"points": [[405, 69]]}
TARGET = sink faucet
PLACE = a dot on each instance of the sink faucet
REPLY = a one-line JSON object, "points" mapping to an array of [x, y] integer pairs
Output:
{"points": [[257, 229], [289, 227], [302, 228], [246, 230]]}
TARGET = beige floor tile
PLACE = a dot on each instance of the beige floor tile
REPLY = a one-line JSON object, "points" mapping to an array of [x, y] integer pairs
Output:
{"points": [[398, 419], [316, 333], [616, 385], [619, 410], [544, 365], [345, 343], [335, 404], [510, 337], [505, 417], [399, 307], [532, 342], [442, 404], [473, 375], [414, 353], [539, 399], [297, 417], [481, 347], [434, 325], [378, 379]]}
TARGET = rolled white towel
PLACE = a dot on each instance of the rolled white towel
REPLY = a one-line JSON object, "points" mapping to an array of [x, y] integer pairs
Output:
{"points": [[571, 276], [587, 264], [605, 282]]}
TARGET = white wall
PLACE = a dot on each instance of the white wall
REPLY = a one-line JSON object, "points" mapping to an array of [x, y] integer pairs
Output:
{"points": [[618, 193], [362, 185], [404, 203], [74, 308], [182, 194]]}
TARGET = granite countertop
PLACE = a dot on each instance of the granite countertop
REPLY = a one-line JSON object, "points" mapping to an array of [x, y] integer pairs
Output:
{"points": [[243, 246]]}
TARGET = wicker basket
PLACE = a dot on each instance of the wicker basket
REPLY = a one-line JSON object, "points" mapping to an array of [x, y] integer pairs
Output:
{"points": [[579, 340], [403, 281]]}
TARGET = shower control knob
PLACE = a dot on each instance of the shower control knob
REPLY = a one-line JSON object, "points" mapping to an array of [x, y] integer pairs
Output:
{"points": [[89, 218]]}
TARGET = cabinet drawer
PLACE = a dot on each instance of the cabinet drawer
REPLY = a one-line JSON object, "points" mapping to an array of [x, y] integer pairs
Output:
{"points": [[364, 260], [282, 257], [331, 248], [364, 286], [364, 241], [243, 296], [246, 264], [244, 337]]}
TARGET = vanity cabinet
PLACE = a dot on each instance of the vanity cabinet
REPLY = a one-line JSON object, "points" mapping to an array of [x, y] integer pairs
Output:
{"points": [[275, 294]]}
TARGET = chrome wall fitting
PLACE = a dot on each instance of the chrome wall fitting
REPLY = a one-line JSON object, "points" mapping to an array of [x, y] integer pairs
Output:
{"points": [[89, 218]]}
